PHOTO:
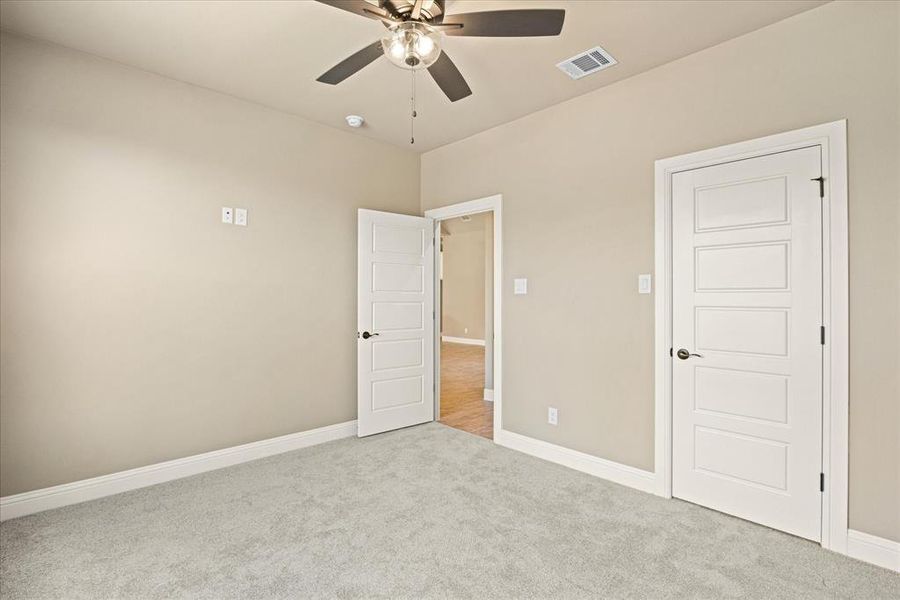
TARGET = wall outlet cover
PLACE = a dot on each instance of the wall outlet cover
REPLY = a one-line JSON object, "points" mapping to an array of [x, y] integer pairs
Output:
{"points": [[520, 286], [240, 216], [552, 416], [227, 215]]}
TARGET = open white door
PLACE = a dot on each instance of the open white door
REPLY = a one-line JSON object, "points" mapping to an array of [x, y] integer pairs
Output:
{"points": [[395, 312]]}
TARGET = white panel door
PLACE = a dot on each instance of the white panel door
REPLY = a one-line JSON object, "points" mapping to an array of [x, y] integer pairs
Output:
{"points": [[747, 311], [395, 336]]}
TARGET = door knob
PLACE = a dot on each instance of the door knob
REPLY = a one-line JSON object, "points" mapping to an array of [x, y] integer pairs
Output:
{"points": [[366, 335], [684, 354]]}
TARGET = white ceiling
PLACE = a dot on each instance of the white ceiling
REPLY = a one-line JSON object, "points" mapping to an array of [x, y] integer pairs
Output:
{"points": [[271, 52]]}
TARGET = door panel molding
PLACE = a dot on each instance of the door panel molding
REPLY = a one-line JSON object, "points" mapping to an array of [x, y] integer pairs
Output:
{"points": [[832, 139]]}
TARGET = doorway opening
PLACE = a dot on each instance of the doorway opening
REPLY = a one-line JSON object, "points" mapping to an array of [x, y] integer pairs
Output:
{"points": [[469, 395], [465, 286]]}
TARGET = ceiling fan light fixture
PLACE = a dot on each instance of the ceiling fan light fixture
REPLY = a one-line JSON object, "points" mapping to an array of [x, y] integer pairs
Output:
{"points": [[411, 45], [416, 29]]}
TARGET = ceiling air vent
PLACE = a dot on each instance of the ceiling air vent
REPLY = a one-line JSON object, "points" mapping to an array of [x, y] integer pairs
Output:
{"points": [[595, 59]]}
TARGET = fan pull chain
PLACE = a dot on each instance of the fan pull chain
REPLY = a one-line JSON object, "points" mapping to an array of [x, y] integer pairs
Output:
{"points": [[412, 100]]}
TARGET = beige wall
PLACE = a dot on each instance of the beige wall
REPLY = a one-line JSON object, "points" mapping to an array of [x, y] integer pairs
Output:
{"points": [[135, 326], [577, 185], [463, 296]]}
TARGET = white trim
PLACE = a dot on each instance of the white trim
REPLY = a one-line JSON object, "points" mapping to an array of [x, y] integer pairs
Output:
{"points": [[586, 463], [459, 340], [28, 503], [873, 549], [832, 138], [488, 395], [461, 209], [489, 204]]}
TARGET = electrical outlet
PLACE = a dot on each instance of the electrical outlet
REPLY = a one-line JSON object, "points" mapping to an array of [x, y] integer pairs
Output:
{"points": [[240, 216], [465, 330], [227, 215], [552, 416]]}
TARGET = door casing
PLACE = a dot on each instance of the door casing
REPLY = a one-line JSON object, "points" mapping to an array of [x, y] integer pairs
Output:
{"points": [[493, 204], [832, 138]]}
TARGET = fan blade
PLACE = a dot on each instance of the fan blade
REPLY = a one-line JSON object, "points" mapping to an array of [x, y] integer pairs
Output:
{"points": [[449, 79], [377, 16], [350, 65], [508, 23], [358, 7]]}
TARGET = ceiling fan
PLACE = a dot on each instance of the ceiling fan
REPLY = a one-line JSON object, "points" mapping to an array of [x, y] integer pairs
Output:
{"points": [[413, 39]]}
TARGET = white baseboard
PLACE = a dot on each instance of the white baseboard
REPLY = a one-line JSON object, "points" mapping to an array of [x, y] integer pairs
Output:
{"points": [[459, 340], [488, 395], [27, 503], [873, 549], [598, 467]]}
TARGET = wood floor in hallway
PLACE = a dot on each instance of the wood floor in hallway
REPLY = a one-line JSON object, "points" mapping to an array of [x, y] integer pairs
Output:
{"points": [[462, 390]]}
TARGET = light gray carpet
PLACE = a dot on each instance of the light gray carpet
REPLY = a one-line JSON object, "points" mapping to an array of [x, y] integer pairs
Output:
{"points": [[426, 512]]}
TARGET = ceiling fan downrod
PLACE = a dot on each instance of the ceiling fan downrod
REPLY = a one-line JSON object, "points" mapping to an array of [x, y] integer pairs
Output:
{"points": [[412, 113]]}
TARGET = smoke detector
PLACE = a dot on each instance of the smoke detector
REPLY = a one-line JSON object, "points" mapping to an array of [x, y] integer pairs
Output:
{"points": [[355, 121], [590, 61]]}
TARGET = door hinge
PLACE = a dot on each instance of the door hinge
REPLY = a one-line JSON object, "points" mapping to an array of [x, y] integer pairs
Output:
{"points": [[822, 335], [821, 482], [821, 181]]}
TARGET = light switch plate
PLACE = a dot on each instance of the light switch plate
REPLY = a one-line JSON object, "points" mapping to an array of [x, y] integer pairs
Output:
{"points": [[240, 216], [644, 283], [227, 215], [520, 286]]}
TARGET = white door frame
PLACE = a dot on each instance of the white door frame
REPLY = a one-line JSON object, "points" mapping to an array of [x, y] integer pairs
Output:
{"points": [[832, 137], [492, 204]]}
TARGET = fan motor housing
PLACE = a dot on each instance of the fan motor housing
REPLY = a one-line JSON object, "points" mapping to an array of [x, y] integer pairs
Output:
{"points": [[432, 12]]}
